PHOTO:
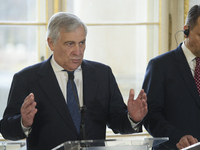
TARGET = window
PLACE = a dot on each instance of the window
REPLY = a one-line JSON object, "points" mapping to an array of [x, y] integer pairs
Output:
{"points": [[122, 34], [22, 39]]}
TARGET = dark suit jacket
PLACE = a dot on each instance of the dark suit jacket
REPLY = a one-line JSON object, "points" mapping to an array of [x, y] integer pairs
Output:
{"points": [[53, 124], [173, 100], [0, 126]]}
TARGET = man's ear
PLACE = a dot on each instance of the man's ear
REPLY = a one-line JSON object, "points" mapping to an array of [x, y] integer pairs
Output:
{"points": [[186, 30], [50, 43]]}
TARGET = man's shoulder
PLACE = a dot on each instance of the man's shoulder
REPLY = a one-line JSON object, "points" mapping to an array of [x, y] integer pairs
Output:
{"points": [[98, 68], [32, 68], [94, 64], [169, 56]]}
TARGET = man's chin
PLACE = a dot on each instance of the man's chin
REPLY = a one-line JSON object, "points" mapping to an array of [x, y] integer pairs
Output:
{"points": [[76, 65]]}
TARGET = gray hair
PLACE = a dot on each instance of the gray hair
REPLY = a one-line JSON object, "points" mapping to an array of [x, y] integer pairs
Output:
{"points": [[63, 20], [193, 15]]}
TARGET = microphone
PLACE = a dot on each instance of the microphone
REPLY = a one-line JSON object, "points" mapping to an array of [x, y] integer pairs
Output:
{"points": [[82, 109], [82, 126]]}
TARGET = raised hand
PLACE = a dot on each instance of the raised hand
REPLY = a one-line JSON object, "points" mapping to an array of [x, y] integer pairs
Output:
{"points": [[137, 108], [28, 110]]}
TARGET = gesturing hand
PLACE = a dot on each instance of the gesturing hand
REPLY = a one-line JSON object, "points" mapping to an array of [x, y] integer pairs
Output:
{"points": [[137, 108], [28, 110], [186, 141]]}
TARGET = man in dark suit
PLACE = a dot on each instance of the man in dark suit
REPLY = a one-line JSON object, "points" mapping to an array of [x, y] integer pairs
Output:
{"points": [[173, 98], [38, 102]]}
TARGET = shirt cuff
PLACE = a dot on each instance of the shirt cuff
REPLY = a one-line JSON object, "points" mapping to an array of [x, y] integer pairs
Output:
{"points": [[134, 125], [26, 130]]}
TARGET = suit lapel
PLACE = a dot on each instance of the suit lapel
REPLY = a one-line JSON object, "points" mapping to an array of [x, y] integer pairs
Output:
{"points": [[90, 84], [51, 87], [89, 81], [184, 69]]}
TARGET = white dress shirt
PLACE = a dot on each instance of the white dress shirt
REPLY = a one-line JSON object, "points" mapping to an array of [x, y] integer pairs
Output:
{"points": [[62, 78], [190, 57]]}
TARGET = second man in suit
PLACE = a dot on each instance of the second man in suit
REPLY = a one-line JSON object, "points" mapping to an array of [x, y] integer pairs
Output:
{"points": [[171, 83]]}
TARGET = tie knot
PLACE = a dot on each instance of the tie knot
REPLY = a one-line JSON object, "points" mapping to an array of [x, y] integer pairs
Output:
{"points": [[70, 75], [197, 59]]}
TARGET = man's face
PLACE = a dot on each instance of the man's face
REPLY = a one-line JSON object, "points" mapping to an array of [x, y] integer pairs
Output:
{"points": [[193, 40], [69, 50]]}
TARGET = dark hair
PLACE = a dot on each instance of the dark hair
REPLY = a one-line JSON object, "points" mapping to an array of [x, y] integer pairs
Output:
{"points": [[193, 15]]}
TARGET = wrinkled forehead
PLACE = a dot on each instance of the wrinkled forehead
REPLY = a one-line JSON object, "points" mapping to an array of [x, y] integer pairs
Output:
{"points": [[69, 29]]}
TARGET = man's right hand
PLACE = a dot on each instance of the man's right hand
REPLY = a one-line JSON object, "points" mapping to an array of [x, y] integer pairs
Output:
{"points": [[186, 141], [28, 110]]}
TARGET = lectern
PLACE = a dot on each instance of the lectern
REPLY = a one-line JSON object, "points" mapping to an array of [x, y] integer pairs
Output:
{"points": [[118, 144], [13, 145]]}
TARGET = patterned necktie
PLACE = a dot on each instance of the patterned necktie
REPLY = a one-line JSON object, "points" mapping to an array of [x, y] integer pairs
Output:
{"points": [[197, 74], [72, 101]]}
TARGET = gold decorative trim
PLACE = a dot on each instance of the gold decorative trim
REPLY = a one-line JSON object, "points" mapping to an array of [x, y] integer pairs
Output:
{"points": [[65, 4], [55, 6], [186, 9]]}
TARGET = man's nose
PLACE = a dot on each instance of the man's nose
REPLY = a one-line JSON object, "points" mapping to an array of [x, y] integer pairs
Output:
{"points": [[77, 49]]}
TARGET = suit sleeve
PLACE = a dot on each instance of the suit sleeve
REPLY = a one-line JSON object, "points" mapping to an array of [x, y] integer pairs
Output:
{"points": [[11, 123], [118, 120], [155, 121]]}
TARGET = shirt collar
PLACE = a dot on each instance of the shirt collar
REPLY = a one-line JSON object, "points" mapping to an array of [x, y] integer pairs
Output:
{"points": [[56, 67], [188, 54]]}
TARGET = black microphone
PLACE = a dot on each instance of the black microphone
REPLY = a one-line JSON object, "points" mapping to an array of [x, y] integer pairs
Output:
{"points": [[82, 126], [82, 109]]}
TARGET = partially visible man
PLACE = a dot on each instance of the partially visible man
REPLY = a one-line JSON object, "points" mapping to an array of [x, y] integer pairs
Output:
{"points": [[172, 83], [38, 105], [0, 126]]}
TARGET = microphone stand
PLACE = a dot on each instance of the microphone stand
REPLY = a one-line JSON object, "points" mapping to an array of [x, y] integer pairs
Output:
{"points": [[82, 126], [82, 111]]}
